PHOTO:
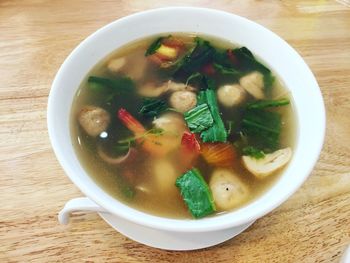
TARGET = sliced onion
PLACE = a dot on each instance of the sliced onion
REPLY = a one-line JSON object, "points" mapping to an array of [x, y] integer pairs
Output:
{"points": [[116, 160]]}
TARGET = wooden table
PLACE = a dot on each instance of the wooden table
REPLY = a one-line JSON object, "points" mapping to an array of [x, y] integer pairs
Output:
{"points": [[35, 38]]}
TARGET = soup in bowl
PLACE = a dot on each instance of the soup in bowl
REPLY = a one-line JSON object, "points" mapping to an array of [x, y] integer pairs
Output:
{"points": [[190, 125]]}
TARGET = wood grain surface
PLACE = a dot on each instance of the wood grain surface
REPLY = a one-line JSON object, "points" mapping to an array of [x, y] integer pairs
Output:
{"points": [[37, 35]]}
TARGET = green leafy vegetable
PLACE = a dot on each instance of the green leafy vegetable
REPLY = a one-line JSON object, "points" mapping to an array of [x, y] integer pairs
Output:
{"points": [[154, 46], [195, 58], [193, 76], [122, 84], [121, 148], [131, 140], [153, 107], [196, 193], [261, 104], [229, 127], [263, 128], [228, 71], [254, 152], [248, 62], [199, 118], [217, 132]]}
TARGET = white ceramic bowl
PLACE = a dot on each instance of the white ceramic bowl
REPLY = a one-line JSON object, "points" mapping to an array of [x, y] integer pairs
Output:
{"points": [[278, 55]]}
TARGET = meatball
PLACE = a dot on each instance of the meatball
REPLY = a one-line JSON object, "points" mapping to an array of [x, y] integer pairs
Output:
{"points": [[93, 120], [183, 101], [231, 95], [227, 189], [253, 83]]}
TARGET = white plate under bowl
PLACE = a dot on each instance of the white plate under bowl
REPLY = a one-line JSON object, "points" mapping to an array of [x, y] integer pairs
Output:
{"points": [[171, 240]]}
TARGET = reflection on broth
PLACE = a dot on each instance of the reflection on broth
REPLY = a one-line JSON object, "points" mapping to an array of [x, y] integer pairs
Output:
{"points": [[183, 126]]}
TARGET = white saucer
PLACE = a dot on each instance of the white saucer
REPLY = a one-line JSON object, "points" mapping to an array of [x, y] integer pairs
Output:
{"points": [[171, 240]]}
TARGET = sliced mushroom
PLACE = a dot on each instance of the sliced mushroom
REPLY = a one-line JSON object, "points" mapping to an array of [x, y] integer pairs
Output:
{"points": [[183, 101], [116, 64], [94, 120], [271, 163], [231, 95], [227, 189], [129, 156], [253, 83]]}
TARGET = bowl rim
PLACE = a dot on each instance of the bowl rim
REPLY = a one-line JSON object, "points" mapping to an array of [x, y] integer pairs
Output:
{"points": [[179, 225]]}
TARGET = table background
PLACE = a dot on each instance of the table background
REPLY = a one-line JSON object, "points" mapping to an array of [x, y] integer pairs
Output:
{"points": [[37, 35]]}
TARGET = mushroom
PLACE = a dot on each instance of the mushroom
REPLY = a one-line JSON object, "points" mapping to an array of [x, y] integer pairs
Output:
{"points": [[173, 126], [172, 123], [269, 164], [136, 69], [116, 64], [153, 91], [93, 120], [164, 175], [129, 156], [227, 189], [253, 83], [183, 101], [150, 90], [231, 95]]}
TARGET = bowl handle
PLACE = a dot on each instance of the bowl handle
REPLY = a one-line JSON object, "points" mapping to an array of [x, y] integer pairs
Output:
{"points": [[78, 204]]}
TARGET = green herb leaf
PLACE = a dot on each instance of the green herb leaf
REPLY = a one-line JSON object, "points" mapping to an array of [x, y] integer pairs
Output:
{"points": [[154, 46], [263, 128], [228, 71], [196, 193], [229, 127], [199, 118], [195, 58], [217, 132], [122, 84], [253, 152], [193, 76], [261, 104], [248, 62], [122, 148], [152, 107]]}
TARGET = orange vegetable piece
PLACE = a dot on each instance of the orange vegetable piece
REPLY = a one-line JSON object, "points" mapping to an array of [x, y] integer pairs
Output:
{"points": [[219, 154]]}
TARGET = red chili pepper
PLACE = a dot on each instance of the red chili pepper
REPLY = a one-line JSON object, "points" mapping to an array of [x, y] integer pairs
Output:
{"points": [[232, 57], [208, 69], [190, 150], [190, 143]]}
